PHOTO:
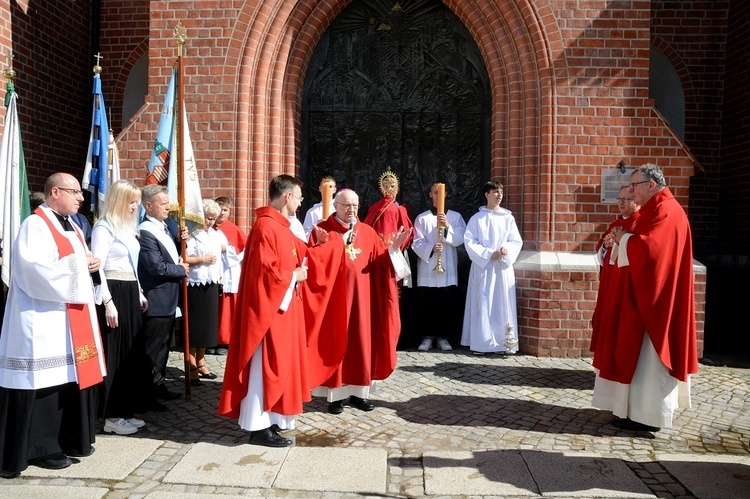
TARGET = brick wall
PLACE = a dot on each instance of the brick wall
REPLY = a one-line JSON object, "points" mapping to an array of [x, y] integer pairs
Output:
{"points": [[570, 100], [692, 34], [52, 58], [734, 204]]}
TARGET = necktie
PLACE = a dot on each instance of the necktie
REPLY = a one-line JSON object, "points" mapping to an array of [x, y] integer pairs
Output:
{"points": [[166, 229]]}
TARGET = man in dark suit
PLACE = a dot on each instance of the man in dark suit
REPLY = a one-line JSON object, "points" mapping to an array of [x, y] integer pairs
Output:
{"points": [[160, 271]]}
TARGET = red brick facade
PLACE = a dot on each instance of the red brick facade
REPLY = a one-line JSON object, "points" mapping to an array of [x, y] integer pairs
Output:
{"points": [[570, 99]]}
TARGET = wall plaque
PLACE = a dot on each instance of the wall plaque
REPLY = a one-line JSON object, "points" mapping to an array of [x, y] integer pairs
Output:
{"points": [[612, 180]]}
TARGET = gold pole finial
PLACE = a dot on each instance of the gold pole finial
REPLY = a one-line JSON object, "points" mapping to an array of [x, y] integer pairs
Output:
{"points": [[8, 72], [180, 33], [97, 67]]}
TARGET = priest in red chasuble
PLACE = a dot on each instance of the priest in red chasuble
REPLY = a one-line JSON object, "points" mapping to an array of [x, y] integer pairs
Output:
{"points": [[610, 275], [646, 348], [371, 269], [277, 350]]}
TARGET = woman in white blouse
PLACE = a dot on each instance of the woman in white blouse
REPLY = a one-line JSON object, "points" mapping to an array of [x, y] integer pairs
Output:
{"points": [[114, 241], [203, 254]]}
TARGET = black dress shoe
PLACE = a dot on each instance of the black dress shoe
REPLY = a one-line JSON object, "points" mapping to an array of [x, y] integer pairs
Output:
{"points": [[336, 407], [630, 425], [55, 461], [9, 474], [157, 406], [361, 404], [161, 392], [74, 453], [268, 438]]}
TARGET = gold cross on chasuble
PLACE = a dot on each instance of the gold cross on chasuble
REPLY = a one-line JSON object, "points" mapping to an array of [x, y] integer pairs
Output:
{"points": [[352, 251]]}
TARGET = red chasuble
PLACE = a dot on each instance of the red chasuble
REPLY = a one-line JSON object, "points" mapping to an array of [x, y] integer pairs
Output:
{"points": [[387, 217], [608, 296], [289, 370], [372, 312], [656, 296], [228, 301]]}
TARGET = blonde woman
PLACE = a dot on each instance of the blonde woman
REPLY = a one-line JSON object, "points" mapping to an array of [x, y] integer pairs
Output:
{"points": [[114, 241]]}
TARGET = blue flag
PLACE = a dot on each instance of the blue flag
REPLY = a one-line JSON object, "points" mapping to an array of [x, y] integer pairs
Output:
{"points": [[97, 175]]}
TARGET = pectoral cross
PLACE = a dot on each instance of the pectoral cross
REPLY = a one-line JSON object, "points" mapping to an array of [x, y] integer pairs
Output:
{"points": [[352, 251]]}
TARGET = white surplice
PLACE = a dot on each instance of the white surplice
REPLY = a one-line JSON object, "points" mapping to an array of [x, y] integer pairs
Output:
{"points": [[491, 293], [36, 347], [425, 238], [651, 397], [313, 216]]}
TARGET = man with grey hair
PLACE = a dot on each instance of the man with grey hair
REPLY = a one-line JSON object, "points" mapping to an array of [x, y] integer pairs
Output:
{"points": [[647, 351], [160, 271]]}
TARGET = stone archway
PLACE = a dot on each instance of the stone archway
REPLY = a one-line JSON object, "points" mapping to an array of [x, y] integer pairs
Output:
{"points": [[398, 86]]}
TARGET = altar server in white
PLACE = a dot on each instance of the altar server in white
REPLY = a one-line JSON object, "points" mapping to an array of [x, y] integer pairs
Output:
{"points": [[314, 215], [493, 244], [438, 290], [51, 355]]}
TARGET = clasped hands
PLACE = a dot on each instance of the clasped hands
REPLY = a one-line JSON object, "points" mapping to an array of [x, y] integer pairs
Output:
{"points": [[499, 254], [617, 233]]}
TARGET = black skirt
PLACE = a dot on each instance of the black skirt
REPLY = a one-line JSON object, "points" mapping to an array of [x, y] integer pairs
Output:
{"points": [[203, 314], [38, 423], [128, 373]]}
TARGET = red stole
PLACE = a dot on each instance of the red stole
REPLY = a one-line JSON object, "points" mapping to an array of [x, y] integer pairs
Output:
{"points": [[82, 331]]}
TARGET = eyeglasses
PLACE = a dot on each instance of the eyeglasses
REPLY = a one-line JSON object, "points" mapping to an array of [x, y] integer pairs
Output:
{"points": [[300, 198], [625, 200], [632, 186], [72, 192], [349, 206]]}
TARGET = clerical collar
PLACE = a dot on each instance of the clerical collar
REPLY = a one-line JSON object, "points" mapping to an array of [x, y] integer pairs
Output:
{"points": [[433, 210], [64, 221], [344, 224]]}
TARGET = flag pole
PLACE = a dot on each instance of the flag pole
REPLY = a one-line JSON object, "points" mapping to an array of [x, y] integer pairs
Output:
{"points": [[181, 35], [97, 136]]}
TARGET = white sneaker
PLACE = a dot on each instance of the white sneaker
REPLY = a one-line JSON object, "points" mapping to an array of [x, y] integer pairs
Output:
{"points": [[425, 345], [119, 426], [138, 423], [444, 345]]}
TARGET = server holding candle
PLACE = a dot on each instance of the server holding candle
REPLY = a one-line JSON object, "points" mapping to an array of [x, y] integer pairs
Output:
{"points": [[437, 234], [321, 211]]}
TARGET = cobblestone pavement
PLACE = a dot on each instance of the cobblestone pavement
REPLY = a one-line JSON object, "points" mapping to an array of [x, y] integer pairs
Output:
{"points": [[451, 401]]}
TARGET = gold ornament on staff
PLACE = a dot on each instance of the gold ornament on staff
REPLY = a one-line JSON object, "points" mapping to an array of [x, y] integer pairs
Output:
{"points": [[440, 226]]}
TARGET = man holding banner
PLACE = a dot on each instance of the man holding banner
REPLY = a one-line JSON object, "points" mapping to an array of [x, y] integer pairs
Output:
{"points": [[51, 351]]}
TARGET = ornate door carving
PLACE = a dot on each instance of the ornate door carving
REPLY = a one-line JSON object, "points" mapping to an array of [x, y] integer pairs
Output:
{"points": [[397, 85]]}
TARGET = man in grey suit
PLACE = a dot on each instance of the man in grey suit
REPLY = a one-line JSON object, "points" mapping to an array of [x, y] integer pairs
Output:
{"points": [[160, 271]]}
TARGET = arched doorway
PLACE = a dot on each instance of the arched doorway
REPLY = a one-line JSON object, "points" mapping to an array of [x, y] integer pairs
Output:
{"points": [[399, 85]]}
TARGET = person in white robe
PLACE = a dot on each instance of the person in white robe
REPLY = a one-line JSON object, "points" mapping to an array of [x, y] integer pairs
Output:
{"points": [[51, 356], [315, 213], [297, 229], [437, 290], [493, 244]]}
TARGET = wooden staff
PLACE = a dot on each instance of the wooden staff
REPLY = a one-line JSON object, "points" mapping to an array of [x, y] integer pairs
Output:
{"points": [[440, 226]]}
